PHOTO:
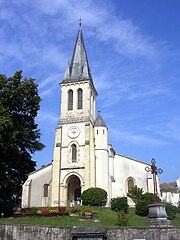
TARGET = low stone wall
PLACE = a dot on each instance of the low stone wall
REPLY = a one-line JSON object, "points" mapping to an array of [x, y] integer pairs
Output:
{"points": [[28, 232]]}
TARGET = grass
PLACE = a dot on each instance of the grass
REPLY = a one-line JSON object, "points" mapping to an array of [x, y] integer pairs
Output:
{"points": [[106, 216], [176, 222]]}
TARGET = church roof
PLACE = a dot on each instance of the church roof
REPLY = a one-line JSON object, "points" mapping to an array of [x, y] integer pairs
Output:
{"points": [[133, 159], [99, 122], [78, 69], [168, 186]]}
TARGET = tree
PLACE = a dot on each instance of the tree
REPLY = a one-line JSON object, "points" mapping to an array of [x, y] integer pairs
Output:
{"points": [[19, 136], [135, 193]]}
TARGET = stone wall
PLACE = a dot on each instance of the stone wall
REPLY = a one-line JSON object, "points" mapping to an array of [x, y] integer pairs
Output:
{"points": [[28, 232]]}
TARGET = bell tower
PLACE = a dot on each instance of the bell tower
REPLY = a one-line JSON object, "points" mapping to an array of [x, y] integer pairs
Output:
{"points": [[74, 152]]}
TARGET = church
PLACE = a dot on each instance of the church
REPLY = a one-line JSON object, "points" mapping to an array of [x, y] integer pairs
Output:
{"points": [[82, 158]]}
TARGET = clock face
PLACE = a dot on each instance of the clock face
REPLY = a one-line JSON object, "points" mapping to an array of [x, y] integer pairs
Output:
{"points": [[73, 132]]}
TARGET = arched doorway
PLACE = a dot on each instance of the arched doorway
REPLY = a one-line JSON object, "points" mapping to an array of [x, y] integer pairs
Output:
{"points": [[73, 191]]}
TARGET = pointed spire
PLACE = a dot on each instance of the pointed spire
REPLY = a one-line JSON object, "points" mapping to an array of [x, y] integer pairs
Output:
{"points": [[79, 67], [99, 122], [67, 72], [85, 71]]}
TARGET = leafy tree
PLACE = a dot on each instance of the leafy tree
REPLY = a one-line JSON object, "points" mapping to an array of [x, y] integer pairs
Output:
{"points": [[94, 197], [19, 136], [135, 193]]}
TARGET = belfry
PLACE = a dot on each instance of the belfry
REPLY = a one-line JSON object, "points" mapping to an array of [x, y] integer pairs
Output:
{"points": [[83, 158]]}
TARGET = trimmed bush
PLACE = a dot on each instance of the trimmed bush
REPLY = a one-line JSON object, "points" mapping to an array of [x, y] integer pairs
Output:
{"points": [[170, 210], [94, 197], [119, 204]]}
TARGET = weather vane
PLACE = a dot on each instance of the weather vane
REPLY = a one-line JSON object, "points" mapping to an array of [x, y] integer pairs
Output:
{"points": [[154, 171]]}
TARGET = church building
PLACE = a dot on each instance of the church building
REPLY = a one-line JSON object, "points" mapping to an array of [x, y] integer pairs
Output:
{"points": [[83, 158]]}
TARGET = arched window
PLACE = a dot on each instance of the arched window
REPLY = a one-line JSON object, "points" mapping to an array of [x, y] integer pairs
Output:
{"points": [[130, 184], [74, 152], [70, 100], [45, 190], [80, 98]]}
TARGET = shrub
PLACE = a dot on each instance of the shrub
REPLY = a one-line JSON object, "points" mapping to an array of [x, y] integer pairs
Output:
{"points": [[94, 197], [170, 210], [119, 204], [151, 198], [135, 194], [74, 210], [122, 219], [142, 204], [142, 207], [148, 197], [178, 208]]}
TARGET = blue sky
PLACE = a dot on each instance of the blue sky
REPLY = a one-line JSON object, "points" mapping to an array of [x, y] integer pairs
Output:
{"points": [[133, 49]]}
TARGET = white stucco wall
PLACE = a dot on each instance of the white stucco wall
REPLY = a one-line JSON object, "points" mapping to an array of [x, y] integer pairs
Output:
{"points": [[37, 180], [102, 158], [174, 198], [125, 168]]}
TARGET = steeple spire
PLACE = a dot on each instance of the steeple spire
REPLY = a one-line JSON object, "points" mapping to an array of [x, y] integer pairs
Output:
{"points": [[78, 69], [99, 122]]}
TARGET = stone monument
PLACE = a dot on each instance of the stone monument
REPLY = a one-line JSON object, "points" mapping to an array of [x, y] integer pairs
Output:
{"points": [[157, 213]]}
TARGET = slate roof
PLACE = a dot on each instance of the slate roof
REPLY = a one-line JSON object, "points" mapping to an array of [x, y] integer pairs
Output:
{"points": [[99, 122], [78, 69], [168, 186]]}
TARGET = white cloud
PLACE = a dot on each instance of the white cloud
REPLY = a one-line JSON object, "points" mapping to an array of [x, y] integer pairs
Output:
{"points": [[11, 50], [52, 78], [169, 129], [47, 117], [47, 92], [132, 90], [128, 137], [126, 38], [53, 55]]}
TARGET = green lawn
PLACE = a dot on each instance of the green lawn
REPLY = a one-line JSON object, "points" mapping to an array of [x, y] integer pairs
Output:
{"points": [[107, 218]]}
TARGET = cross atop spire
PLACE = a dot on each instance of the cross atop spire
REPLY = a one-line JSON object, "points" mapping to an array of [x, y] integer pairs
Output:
{"points": [[80, 22]]}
